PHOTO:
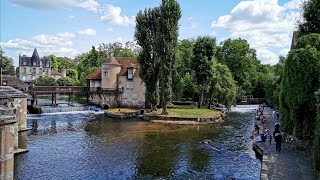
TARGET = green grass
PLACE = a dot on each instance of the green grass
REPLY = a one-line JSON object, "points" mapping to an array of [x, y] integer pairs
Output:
{"points": [[190, 112], [121, 110]]}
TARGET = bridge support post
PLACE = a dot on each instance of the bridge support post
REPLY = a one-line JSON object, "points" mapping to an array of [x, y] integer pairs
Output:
{"points": [[70, 99], [54, 99]]}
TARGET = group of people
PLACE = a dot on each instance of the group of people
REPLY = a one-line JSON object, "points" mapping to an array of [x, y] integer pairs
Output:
{"points": [[277, 135]]}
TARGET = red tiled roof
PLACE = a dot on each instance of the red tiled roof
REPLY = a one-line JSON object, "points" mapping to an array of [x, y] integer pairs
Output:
{"points": [[56, 72], [125, 62], [95, 75]]}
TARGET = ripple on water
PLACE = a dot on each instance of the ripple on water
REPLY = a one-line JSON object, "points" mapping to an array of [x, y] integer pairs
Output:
{"points": [[82, 146]]}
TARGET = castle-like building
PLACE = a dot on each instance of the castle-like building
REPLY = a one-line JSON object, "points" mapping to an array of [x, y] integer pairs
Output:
{"points": [[31, 68]]}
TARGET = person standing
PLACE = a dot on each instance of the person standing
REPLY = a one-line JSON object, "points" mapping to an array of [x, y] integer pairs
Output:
{"points": [[278, 138], [274, 114]]}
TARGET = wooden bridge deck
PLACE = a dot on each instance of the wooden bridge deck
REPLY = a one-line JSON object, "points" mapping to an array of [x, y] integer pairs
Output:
{"points": [[69, 90]]}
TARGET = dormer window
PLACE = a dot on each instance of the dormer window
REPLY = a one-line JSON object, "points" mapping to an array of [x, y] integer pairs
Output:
{"points": [[106, 73], [34, 63], [130, 73], [24, 63]]}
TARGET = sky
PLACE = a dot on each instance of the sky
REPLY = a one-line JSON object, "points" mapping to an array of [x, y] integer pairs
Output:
{"points": [[70, 27]]}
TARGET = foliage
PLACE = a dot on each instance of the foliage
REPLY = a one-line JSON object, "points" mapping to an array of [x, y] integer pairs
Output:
{"points": [[309, 40], [223, 87], [300, 81], [311, 17], [7, 65], [316, 140], [145, 32], [166, 45], [45, 81], [54, 62], [204, 50], [73, 74], [242, 62], [65, 81]]}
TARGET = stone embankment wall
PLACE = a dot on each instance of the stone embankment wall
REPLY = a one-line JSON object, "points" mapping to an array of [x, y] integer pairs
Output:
{"points": [[8, 134]]}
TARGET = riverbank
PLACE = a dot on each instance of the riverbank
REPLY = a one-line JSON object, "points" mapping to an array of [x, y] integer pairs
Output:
{"points": [[290, 164], [181, 114]]}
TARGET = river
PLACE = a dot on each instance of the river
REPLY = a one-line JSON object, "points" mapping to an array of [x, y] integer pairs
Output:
{"points": [[92, 146]]}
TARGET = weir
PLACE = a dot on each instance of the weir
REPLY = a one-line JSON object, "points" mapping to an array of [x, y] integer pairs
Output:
{"points": [[49, 109]]}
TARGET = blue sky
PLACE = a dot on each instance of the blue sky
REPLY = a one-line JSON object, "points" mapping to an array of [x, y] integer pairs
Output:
{"points": [[71, 27]]}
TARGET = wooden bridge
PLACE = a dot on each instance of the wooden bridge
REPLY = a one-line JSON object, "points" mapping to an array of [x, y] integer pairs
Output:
{"points": [[68, 90]]}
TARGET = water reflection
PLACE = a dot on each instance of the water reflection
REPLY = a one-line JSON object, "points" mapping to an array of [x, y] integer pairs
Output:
{"points": [[84, 146]]}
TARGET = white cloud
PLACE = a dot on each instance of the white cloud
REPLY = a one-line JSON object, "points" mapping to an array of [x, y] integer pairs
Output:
{"points": [[193, 24], [90, 5], [119, 39], [71, 17], [110, 29], [60, 44], [88, 32], [264, 23], [112, 14], [43, 4]]}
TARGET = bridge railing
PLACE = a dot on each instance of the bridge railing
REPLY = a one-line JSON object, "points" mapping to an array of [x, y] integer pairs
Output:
{"points": [[70, 89]]}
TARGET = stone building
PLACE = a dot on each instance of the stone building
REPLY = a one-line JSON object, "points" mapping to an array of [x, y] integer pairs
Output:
{"points": [[117, 84], [13, 112], [31, 68], [14, 82], [58, 74]]}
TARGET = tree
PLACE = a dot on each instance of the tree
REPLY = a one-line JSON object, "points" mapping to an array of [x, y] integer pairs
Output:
{"points": [[7, 65], [166, 44], [204, 50], [73, 74], [310, 17], [316, 140], [223, 86], [65, 81], [300, 81], [149, 64], [45, 81], [242, 62], [54, 62]]}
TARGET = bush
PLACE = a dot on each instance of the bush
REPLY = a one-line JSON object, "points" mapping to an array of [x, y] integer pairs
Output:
{"points": [[45, 81], [73, 74], [316, 140], [65, 81]]}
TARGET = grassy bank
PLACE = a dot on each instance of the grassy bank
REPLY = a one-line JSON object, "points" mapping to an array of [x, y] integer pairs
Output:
{"points": [[190, 111], [121, 110]]}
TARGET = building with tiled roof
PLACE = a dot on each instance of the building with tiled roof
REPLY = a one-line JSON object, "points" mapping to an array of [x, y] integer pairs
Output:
{"points": [[119, 75], [57, 74], [31, 68], [14, 82]]}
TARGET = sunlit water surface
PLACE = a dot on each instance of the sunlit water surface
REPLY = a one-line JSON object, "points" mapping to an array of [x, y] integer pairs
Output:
{"points": [[92, 146]]}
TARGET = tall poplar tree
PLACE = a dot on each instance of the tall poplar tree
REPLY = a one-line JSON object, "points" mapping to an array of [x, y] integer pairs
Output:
{"points": [[203, 52], [149, 65], [166, 44]]}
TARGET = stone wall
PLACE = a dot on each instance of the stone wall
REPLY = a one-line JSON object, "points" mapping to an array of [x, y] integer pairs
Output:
{"points": [[8, 134]]}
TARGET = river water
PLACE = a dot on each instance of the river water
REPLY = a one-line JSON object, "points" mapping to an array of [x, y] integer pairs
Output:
{"points": [[92, 146]]}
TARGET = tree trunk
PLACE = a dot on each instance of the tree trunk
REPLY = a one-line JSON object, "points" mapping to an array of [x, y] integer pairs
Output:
{"points": [[201, 96]]}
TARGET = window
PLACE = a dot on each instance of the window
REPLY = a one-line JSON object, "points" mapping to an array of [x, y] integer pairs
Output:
{"points": [[24, 62], [24, 78], [24, 71], [130, 73], [40, 63], [124, 96], [134, 96], [40, 71], [33, 77], [34, 70], [106, 73], [130, 85], [34, 63]]}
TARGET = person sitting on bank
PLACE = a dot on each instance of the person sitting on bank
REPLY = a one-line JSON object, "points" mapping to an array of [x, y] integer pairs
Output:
{"points": [[264, 120]]}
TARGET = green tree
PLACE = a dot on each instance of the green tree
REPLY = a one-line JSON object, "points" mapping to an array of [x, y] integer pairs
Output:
{"points": [[242, 62], [65, 81], [54, 62], [149, 64], [166, 45], [7, 65], [310, 17], [223, 86], [73, 74], [204, 50], [300, 81], [316, 140], [45, 81]]}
